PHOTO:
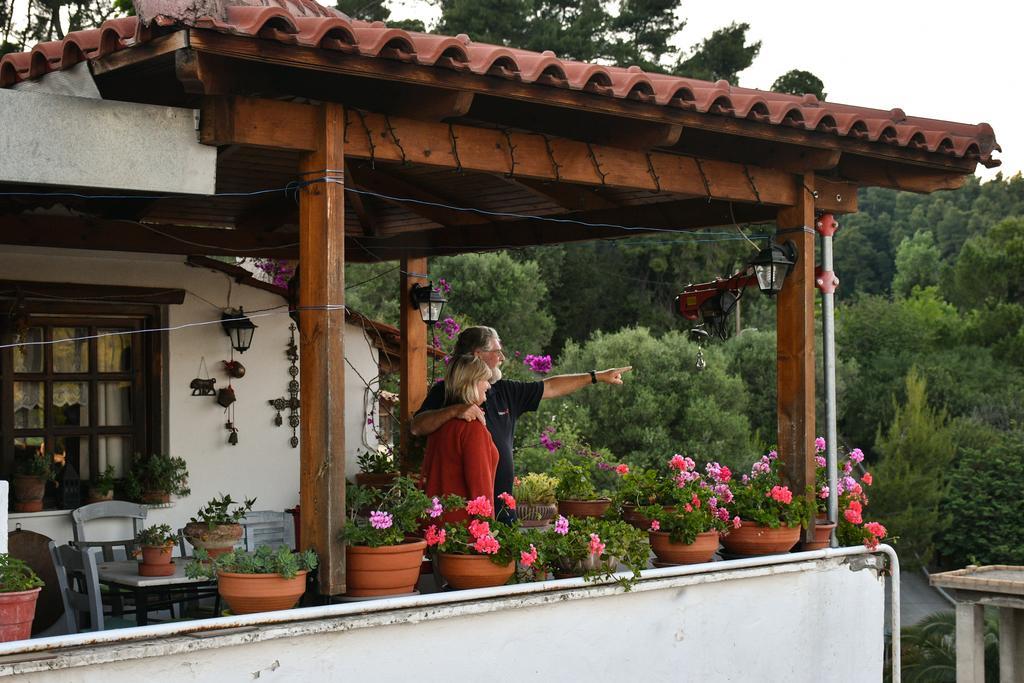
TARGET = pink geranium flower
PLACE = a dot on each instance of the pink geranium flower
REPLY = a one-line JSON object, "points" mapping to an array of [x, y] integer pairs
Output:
{"points": [[487, 545], [380, 520], [528, 558], [819, 444], [622, 468], [596, 547], [478, 529], [561, 525], [510, 502], [435, 536], [867, 478], [435, 509], [480, 506], [782, 494], [655, 525], [736, 523]]}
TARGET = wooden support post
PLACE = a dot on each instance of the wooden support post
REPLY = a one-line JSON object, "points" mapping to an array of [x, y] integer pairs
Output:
{"points": [[322, 351], [413, 388], [795, 342], [970, 642]]}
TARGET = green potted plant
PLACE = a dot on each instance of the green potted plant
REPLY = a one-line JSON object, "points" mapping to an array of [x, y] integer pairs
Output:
{"points": [[477, 551], [377, 467], [687, 528], [591, 547], [29, 485], [536, 503], [216, 528], [767, 516], [157, 547], [638, 488], [19, 590], [383, 552], [103, 488], [260, 581], [576, 494], [155, 478]]}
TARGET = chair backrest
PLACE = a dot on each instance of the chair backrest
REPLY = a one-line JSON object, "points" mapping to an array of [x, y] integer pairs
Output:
{"points": [[268, 527], [120, 549], [79, 585]]}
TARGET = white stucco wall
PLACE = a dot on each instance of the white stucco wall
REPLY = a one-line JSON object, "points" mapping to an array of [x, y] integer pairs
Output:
{"points": [[813, 620], [263, 464]]}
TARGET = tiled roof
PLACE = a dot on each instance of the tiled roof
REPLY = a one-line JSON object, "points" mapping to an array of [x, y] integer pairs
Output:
{"points": [[308, 24]]}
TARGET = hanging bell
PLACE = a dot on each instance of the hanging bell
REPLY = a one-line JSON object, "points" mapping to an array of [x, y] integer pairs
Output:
{"points": [[234, 369], [278, 420], [226, 396], [233, 437]]}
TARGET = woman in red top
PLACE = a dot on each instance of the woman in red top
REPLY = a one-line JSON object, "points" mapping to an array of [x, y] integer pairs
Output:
{"points": [[461, 457]]}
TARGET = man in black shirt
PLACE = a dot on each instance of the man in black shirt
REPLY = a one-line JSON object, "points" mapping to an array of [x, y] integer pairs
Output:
{"points": [[506, 401]]}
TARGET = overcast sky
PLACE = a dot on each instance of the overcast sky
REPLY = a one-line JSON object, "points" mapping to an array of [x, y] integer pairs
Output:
{"points": [[957, 61]]}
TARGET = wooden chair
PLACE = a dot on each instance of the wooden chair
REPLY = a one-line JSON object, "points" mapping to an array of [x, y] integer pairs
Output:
{"points": [[268, 527], [113, 550]]}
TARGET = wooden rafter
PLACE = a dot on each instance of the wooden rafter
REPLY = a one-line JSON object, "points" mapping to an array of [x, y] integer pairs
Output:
{"points": [[378, 137], [569, 197], [367, 219]]}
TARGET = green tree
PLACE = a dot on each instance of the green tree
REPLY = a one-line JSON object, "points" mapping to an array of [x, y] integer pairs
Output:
{"points": [[666, 405], [917, 264], [800, 82], [986, 488], [909, 496], [722, 55]]}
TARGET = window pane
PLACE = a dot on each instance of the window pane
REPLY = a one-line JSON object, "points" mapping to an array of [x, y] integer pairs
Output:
{"points": [[70, 356], [27, 447], [115, 351], [70, 404], [28, 405], [29, 358], [72, 450], [114, 451], [114, 403]]}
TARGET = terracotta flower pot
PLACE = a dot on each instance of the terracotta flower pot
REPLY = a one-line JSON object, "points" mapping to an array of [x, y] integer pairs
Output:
{"points": [[156, 497], [220, 539], [473, 571], [382, 480], [28, 493], [822, 535], [753, 539], [387, 570], [583, 508], [157, 554], [95, 496], [17, 610], [701, 550], [248, 593], [535, 515]]}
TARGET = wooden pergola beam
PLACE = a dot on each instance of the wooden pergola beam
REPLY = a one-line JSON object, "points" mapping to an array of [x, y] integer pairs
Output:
{"points": [[378, 137], [322, 349], [795, 345]]}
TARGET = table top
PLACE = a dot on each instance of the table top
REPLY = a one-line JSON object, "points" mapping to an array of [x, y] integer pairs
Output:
{"points": [[997, 578], [126, 573]]}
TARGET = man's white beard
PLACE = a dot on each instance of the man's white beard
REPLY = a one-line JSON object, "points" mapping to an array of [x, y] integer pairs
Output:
{"points": [[495, 374]]}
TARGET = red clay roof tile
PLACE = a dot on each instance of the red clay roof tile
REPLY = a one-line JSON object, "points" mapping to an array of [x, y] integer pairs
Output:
{"points": [[307, 23]]}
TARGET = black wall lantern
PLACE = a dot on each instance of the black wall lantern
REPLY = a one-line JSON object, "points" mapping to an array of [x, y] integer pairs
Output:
{"points": [[430, 302], [772, 265], [239, 328]]}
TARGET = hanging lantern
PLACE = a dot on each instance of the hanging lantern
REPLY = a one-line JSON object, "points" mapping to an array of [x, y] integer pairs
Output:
{"points": [[429, 301], [772, 265], [239, 328]]}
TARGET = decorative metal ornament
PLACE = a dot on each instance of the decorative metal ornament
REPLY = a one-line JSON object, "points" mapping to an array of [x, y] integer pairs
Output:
{"points": [[291, 402], [226, 396], [203, 386], [233, 436], [234, 369]]}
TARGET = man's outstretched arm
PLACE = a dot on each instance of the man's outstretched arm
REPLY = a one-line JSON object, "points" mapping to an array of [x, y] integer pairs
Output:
{"points": [[563, 385]]}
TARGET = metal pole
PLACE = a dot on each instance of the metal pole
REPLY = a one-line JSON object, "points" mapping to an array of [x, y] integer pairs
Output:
{"points": [[827, 282]]}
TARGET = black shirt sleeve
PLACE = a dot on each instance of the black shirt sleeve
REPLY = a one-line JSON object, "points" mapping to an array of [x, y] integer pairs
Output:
{"points": [[524, 397]]}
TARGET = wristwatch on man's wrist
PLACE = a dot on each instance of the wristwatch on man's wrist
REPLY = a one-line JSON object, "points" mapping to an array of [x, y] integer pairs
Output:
{"points": [[593, 377]]}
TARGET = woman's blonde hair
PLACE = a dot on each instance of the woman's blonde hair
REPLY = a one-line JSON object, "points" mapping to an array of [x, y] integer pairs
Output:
{"points": [[463, 374]]}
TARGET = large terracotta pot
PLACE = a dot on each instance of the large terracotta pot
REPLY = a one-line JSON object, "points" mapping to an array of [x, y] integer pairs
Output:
{"points": [[17, 610], [536, 515], [753, 539], [473, 571], [220, 539], [156, 497], [701, 550], [248, 593], [822, 535], [387, 570], [95, 496], [583, 508], [28, 493]]}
